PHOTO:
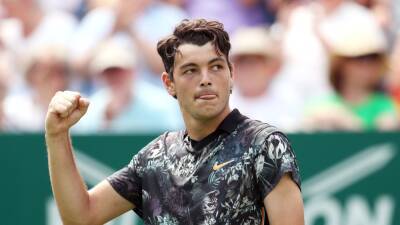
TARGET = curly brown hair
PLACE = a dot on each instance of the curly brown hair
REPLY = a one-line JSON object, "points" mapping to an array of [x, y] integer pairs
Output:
{"points": [[198, 32]]}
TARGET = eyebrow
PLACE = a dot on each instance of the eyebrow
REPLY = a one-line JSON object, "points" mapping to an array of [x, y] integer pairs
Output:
{"points": [[190, 64], [216, 60]]}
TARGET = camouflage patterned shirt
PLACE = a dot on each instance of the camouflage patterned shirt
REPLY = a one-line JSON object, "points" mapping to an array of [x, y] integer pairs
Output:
{"points": [[222, 179]]}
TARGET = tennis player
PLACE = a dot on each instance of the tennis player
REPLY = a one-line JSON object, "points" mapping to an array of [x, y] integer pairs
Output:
{"points": [[224, 168]]}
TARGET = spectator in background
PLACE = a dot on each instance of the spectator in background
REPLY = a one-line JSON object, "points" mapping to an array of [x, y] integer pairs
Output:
{"points": [[356, 69], [70, 6], [395, 11], [45, 73], [93, 4], [381, 10], [5, 80], [178, 3], [304, 50], [393, 81], [28, 25], [140, 23], [232, 13], [281, 9], [257, 62], [125, 104]]}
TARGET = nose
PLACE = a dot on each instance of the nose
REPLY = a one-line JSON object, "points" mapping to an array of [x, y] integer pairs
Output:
{"points": [[205, 79]]}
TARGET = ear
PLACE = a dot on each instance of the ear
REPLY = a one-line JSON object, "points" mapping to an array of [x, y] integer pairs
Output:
{"points": [[168, 84], [233, 75]]}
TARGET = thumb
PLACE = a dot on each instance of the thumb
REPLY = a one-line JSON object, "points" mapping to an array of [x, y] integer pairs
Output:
{"points": [[83, 105]]}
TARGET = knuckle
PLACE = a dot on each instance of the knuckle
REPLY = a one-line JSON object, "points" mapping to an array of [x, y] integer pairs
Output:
{"points": [[61, 108], [68, 104], [72, 93]]}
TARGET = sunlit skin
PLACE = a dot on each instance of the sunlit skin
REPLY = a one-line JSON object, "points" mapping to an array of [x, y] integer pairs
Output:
{"points": [[202, 83]]}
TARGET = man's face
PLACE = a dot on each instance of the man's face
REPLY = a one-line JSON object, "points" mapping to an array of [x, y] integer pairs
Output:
{"points": [[202, 81]]}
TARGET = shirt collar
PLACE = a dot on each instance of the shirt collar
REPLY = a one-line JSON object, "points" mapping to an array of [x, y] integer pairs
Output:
{"points": [[228, 125], [231, 121]]}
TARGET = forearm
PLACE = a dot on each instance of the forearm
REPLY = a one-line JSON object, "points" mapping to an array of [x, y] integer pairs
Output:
{"points": [[68, 187]]}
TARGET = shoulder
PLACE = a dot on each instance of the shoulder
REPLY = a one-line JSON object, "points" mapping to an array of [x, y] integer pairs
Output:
{"points": [[265, 137], [258, 130]]}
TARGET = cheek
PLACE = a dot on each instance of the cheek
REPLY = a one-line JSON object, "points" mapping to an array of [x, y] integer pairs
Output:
{"points": [[224, 85], [184, 90]]}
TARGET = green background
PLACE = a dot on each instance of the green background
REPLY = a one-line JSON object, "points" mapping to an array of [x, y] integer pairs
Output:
{"points": [[25, 185]]}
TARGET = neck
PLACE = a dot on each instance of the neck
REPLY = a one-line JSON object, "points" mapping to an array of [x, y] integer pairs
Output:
{"points": [[200, 128], [355, 94]]}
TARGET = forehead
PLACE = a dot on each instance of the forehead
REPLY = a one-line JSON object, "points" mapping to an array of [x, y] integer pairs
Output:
{"points": [[191, 53]]}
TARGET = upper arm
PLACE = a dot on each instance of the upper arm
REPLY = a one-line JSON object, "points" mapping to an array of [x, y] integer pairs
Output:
{"points": [[120, 192], [274, 159], [106, 203], [284, 203]]}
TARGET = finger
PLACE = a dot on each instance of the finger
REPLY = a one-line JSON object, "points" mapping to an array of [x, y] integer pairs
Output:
{"points": [[68, 96], [83, 102], [82, 109], [83, 105], [72, 93], [71, 106], [65, 102], [72, 96], [61, 109]]}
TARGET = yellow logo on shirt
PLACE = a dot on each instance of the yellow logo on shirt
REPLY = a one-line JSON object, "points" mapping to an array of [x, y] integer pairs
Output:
{"points": [[219, 166]]}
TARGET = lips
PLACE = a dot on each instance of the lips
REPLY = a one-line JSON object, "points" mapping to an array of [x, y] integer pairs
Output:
{"points": [[206, 95]]}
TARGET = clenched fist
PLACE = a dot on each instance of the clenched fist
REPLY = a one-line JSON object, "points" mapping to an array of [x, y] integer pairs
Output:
{"points": [[65, 109]]}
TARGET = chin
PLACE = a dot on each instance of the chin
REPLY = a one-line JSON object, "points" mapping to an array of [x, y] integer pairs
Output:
{"points": [[207, 112]]}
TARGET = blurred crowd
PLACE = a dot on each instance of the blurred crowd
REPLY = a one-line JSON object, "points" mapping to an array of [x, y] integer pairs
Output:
{"points": [[301, 65]]}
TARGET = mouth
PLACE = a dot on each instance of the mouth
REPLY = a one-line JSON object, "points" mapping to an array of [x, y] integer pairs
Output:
{"points": [[206, 96]]}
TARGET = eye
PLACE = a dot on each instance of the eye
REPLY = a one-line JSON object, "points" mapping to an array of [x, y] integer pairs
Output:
{"points": [[216, 67], [189, 71]]}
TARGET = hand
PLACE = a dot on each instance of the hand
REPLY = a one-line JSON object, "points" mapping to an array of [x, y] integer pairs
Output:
{"points": [[65, 109]]}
